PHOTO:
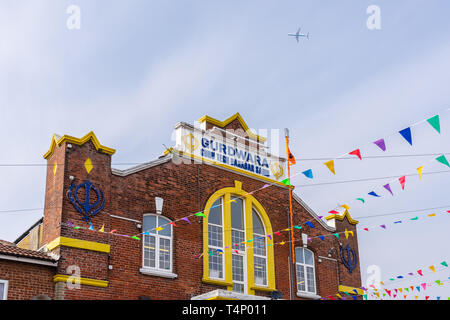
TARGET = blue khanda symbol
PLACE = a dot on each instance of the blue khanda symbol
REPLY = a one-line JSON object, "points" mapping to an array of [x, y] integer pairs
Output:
{"points": [[348, 258], [87, 208]]}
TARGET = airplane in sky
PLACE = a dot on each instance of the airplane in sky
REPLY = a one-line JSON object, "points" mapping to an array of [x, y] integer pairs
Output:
{"points": [[298, 35]]}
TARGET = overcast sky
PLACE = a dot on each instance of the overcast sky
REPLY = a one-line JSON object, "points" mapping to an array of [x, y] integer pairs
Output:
{"points": [[135, 68]]}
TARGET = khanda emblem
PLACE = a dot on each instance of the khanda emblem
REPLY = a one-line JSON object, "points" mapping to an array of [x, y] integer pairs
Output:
{"points": [[94, 199], [348, 258], [276, 170], [190, 142]]}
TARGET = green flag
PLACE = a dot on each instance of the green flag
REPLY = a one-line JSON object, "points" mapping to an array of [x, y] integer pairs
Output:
{"points": [[336, 234], [365, 296], [444, 263], [286, 182], [434, 121], [134, 237], [442, 159], [199, 214], [361, 199], [416, 218]]}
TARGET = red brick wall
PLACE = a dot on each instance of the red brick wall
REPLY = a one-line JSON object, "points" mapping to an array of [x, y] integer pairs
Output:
{"points": [[185, 189], [27, 280]]}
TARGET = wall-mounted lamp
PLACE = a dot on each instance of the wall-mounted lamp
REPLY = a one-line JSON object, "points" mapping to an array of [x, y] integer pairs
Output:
{"points": [[159, 204], [330, 252], [305, 240]]}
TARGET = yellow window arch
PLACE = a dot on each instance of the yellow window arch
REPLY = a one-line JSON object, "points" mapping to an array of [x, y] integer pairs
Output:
{"points": [[249, 203]]}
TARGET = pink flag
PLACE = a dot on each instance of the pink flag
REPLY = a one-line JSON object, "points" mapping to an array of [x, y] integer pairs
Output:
{"points": [[424, 286], [420, 272], [402, 182]]}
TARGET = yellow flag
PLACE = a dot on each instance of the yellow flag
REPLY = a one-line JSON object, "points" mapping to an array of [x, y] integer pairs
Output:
{"points": [[432, 215], [330, 165], [337, 294], [419, 170], [282, 243], [432, 268], [345, 206], [102, 229], [400, 289], [159, 229], [377, 294]]}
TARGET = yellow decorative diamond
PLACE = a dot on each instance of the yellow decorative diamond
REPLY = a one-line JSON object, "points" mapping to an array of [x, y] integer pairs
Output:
{"points": [[88, 165], [55, 165]]}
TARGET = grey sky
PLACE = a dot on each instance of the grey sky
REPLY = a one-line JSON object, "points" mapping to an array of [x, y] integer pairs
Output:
{"points": [[135, 68]]}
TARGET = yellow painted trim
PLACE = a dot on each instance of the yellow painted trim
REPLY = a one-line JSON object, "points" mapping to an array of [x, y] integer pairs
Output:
{"points": [[228, 121], [69, 139], [350, 290], [249, 203], [341, 217], [230, 167], [84, 281], [80, 244]]}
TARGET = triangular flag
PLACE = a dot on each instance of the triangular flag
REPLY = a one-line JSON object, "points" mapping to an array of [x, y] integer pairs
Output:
{"points": [[424, 285], [380, 143], [402, 182], [330, 165], [437, 281], [431, 215], [388, 188], [365, 296], [308, 173], [159, 229], [356, 152], [333, 212], [322, 237], [345, 206], [277, 233], [112, 231], [406, 133], [336, 235], [420, 272], [400, 289], [442, 159], [291, 158], [173, 223], [186, 219], [77, 227], [432, 268], [372, 193], [383, 226], [361, 199], [444, 264], [91, 227], [415, 218], [286, 182], [134, 237], [200, 214], [419, 170], [418, 288], [309, 224], [434, 122], [367, 229], [102, 229]]}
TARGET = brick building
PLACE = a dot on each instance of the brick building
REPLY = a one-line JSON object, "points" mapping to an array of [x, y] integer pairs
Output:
{"points": [[209, 219]]}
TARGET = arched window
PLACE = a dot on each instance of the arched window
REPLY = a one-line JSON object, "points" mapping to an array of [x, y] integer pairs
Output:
{"points": [[237, 251], [306, 275], [157, 243]]}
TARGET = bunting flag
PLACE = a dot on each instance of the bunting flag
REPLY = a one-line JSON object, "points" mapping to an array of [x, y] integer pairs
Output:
{"points": [[372, 193], [388, 188], [186, 219], [424, 285], [322, 238], [333, 212], [361, 199], [91, 227], [357, 153], [308, 173], [419, 171], [402, 182], [102, 229], [286, 182], [200, 214], [330, 165], [367, 229], [265, 186], [432, 268], [297, 227], [444, 264], [347, 233], [383, 226], [415, 218], [112, 231], [345, 206], [406, 133], [420, 272], [381, 144], [291, 157], [309, 224], [159, 229], [442, 159], [437, 281], [136, 238], [77, 227], [336, 235], [173, 223], [434, 122]]}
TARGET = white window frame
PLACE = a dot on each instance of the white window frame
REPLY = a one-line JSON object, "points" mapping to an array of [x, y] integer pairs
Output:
{"points": [[223, 240], [157, 271], [4, 295], [241, 253], [265, 246], [304, 265]]}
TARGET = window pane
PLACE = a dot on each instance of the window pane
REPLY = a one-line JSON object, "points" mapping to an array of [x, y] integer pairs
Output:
{"points": [[215, 264], [215, 236], [167, 228], [300, 278], [309, 257], [2, 291], [150, 224], [215, 213], [299, 255], [237, 237], [238, 267], [258, 228], [164, 254], [259, 246], [237, 217], [311, 280], [149, 251], [260, 271], [238, 287]]}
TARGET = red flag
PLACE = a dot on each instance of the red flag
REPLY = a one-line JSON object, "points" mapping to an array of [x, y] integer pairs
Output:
{"points": [[420, 272], [388, 292], [402, 182], [356, 152], [277, 233], [367, 229], [427, 297], [333, 212]]}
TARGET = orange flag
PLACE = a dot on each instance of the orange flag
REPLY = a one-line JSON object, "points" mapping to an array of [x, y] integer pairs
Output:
{"points": [[291, 157]]}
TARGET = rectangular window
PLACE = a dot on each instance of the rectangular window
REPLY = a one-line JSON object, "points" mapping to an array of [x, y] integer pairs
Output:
{"points": [[238, 273], [301, 281], [215, 264], [149, 251], [3, 289], [260, 271], [164, 254], [310, 278]]}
